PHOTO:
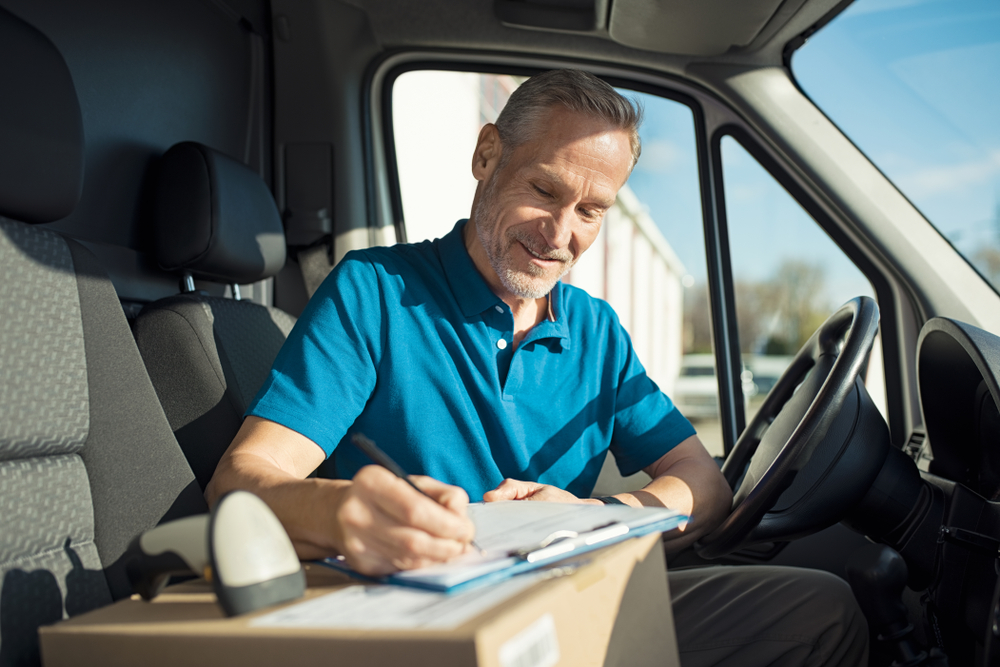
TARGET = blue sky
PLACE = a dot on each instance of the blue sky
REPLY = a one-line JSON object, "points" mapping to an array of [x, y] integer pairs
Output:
{"points": [[916, 85]]}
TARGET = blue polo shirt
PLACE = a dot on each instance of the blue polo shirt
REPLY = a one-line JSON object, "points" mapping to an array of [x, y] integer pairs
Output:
{"points": [[408, 345]]}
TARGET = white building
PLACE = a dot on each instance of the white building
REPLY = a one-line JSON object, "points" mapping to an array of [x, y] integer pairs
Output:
{"points": [[632, 267]]}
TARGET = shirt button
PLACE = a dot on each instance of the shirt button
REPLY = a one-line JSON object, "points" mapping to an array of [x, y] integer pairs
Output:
{"points": [[502, 344], [499, 309]]}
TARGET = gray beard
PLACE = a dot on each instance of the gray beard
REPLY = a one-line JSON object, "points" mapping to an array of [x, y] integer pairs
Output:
{"points": [[524, 284]]}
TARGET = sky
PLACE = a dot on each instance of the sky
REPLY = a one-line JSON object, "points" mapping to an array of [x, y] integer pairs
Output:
{"points": [[916, 85]]}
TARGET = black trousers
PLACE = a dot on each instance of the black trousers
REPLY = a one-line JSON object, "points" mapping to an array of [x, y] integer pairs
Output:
{"points": [[763, 615]]}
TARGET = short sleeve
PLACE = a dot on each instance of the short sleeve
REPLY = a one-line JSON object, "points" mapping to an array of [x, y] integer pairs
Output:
{"points": [[326, 370], [647, 424]]}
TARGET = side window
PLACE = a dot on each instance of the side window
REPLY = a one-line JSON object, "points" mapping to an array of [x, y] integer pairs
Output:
{"points": [[649, 259], [788, 275]]}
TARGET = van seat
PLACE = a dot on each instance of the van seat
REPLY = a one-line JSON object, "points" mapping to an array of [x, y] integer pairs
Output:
{"points": [[207, 356]]}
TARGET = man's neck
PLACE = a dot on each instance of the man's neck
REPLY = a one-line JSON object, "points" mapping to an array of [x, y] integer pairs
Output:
{"points": [[527, 312], [531, 312]]}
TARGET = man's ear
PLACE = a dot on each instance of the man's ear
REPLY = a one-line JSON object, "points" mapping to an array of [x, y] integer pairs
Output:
{"points": [[487, 153]]}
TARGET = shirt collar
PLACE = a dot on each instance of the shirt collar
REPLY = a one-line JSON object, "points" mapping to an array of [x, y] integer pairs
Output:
{"points": [[467, 284], [554, 326]]}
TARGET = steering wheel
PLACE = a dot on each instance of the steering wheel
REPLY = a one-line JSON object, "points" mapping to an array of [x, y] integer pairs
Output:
{"points": [[798, 416]]}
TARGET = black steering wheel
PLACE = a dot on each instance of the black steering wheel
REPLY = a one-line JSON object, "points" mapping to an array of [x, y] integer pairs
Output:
{"points": [[801, 413]]}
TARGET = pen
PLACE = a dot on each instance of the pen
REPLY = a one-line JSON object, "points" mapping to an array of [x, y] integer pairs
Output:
{"points": [[372, 451]]}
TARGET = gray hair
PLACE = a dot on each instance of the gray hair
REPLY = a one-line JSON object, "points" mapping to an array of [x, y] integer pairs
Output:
{"points": [[575, 90]]}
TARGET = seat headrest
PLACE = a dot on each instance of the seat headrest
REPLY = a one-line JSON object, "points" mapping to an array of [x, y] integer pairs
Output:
{"points": [[215, 217], [41, 129]]}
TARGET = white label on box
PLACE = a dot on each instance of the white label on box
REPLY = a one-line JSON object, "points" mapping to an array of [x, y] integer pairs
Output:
{"points": [[535, 646]]}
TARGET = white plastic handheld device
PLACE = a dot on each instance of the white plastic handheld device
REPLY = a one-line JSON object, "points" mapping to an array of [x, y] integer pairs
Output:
{"points": [[241, 547]]}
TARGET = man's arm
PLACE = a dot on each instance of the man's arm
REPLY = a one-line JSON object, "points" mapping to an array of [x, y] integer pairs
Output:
{"points": [[377, 521], [686, 478]]}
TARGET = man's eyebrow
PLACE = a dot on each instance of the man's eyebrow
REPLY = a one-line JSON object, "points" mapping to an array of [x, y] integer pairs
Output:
{"points": [[606, 203], [551, 176]]}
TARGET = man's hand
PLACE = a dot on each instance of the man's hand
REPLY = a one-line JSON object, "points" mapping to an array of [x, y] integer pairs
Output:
{"points": [[512, 489], [377, 521], [384, 525]]}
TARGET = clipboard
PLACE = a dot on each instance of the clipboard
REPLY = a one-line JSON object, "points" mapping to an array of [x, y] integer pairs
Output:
{"points": [[523, 536]]}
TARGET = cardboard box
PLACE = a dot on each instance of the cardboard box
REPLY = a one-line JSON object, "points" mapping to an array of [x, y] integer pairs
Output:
{"points": [[614, 609]]}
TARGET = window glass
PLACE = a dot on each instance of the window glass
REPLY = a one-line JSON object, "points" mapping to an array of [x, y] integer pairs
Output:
{"points": [[788, 276], [649, 259], [436, 118], [914, 84]]}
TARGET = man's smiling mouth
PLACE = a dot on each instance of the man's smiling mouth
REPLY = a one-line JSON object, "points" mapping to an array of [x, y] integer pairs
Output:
{"points": [[540, 257]]}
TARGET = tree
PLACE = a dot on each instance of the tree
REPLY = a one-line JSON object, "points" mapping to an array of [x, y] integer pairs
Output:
{"points": [[987, 258], [697, 320], [800, 301], [774, 316]]}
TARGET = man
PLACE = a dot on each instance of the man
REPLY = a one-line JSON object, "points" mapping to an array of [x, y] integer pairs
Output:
{"points": [[470, 363]]}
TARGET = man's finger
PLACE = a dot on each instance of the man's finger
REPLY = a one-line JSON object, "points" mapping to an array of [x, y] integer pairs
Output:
{"points": [[406, 548], [453, 497], [379, 544], [406, 506], [512, 489]]}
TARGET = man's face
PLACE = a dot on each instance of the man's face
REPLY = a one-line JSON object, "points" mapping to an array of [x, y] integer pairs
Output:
{"points": [[542, 208]]}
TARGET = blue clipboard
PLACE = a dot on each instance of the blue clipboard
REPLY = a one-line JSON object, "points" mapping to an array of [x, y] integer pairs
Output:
{"points": [[523, 536]]}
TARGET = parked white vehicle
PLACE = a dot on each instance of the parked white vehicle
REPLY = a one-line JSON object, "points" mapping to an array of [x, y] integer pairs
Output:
{"points": [[696, 392], [765, 370]]}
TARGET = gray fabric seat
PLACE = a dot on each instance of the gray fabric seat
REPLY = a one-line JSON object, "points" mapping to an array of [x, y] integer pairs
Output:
{"points": [[87, 458], [207, 356]]}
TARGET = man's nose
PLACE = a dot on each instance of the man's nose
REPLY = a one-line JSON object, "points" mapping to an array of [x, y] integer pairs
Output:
{"points": [[558, 229]]}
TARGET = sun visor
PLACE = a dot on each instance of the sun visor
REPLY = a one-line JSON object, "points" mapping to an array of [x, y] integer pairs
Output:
{"points": [[689, 27]]}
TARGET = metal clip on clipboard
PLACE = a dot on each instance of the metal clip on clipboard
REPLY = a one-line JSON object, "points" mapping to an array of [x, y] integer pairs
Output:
{"points": [[564, 542]]}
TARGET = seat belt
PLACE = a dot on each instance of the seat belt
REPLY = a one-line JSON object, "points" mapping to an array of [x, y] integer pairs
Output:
{"points": [[315, 265], [308, 203]]}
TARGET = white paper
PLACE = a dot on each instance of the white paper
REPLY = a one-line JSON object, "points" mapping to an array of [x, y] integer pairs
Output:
{"points": [[503, 527], [374, 607]]}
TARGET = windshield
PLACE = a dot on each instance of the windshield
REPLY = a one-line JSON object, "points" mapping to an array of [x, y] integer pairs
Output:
{"points": [[916, 85]]}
